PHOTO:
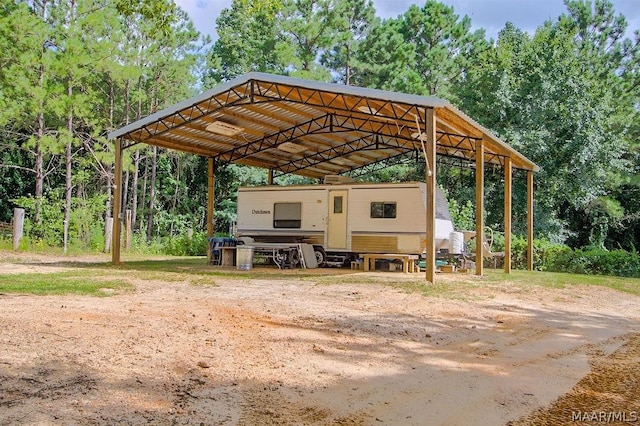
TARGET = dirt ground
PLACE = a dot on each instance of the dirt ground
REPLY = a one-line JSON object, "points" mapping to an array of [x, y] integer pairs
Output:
{"points": [[301, 352]]}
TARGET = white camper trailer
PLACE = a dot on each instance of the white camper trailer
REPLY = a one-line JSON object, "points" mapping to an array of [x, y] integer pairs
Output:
{"points": [[343, 220]]}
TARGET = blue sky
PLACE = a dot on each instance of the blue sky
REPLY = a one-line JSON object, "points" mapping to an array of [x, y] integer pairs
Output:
{"points": [[488, 14]]}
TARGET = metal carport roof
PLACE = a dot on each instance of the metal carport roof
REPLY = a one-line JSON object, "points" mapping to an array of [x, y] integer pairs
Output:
{"points": [[311, 128], [315, 129]]}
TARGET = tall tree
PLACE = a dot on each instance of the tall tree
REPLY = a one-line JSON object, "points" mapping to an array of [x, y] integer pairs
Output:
{"points": [[309, 27], [424, 51], [28, 81], [249, 39], [353, 22], [560, 98]]}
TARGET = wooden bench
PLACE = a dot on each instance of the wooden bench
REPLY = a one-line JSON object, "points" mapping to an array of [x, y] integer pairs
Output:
{"points": [[408, 261]]}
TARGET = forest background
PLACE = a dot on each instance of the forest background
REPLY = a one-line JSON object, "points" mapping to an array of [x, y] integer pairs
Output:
{"points": [[566, 96]]}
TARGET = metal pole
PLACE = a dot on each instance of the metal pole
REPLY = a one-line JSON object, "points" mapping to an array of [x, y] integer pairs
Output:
{"points": [[117, 199]]}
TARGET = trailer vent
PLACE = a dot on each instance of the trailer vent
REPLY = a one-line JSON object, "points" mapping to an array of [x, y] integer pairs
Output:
{"points": [[337, 179]]}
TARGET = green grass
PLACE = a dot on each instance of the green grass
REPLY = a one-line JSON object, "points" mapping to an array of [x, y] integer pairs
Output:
{"points": [[462, 286], [92, 278], [63, 283], [197, 266], [526, 279]]}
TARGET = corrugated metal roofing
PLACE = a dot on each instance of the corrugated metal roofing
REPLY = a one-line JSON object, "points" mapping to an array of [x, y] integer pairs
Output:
{"points": [[312, 128]]}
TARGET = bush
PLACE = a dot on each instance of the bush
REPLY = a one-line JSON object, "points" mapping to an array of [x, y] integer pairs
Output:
{"points": [[554, 257], [543, 250], [596, 261], [183, 246]]}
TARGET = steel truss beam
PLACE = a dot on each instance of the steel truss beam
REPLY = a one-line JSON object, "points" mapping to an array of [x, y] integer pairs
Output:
{"points": [[313, 126], [406, 157], [325, 124], [414, 157], [234, 96], [362, 144], [328, 124], [378, 108], [380, 117]]}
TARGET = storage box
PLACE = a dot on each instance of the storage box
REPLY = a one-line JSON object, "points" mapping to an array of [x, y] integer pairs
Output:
{"points": [[448, 268]]}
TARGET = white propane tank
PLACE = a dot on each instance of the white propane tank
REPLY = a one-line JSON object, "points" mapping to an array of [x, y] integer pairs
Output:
{"points": [[456, 242]]}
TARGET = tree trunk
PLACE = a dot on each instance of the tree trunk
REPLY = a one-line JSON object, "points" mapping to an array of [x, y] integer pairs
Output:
{"points": [[174, 202], [67, 182], [347, 71], [125, 188], [136, 162], [68, 176], [125, 191], [110, 174], [153, 106], [144, 189], [134, 189], [152, 193], [39, 169], [39, 160]]}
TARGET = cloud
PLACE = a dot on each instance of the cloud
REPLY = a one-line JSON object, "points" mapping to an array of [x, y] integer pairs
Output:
{"points": [[204, 13], [491, 15]]}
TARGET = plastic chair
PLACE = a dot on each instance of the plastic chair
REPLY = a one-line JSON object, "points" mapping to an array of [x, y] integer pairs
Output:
{"points": [[487, 244], [216, 253], [486, 249]]}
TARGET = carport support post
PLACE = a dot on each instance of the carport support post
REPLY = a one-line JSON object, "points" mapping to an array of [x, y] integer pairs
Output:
{"points": [[430, 180], [117, 199], [211, 184], [270, 177], [530, 220], [479, 205], [508, 177]]}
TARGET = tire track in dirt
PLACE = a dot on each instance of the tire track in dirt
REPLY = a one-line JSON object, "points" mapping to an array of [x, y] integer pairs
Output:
{"points": [[268, 400], [612, 388]]}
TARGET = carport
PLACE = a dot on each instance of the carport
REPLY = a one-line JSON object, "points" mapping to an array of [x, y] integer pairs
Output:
{"points": [[314, 129]]}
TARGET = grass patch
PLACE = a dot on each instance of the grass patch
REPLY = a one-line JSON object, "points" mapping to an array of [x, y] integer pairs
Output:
{"points": [[90, 277], [462, 286], [528, 279], [197, 266], [204, 281], [62, 283]]}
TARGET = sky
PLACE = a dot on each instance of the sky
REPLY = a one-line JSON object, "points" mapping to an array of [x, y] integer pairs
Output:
{"points": [[488, 14]]}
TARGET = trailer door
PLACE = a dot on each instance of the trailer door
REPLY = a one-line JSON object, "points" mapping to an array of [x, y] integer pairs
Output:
{"points": [[337, 223]]}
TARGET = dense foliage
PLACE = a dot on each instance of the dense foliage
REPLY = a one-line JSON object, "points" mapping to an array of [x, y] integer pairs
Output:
{"points": [[566, 96]]}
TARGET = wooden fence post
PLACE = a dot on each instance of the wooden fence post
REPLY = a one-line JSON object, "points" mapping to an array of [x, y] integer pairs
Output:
{"points": [[108, 232], [128, 232], [18, 227]]}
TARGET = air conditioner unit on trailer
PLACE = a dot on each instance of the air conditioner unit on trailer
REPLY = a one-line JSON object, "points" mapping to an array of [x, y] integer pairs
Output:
{"points": [[336, 179]]}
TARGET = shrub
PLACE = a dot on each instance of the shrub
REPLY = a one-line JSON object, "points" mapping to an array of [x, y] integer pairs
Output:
{"points": [[183, 246], [554, 257], [596, 261]]}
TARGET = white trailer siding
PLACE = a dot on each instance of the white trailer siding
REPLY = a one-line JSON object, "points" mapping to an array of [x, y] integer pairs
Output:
{"points": [[410, 214], [407, 229], [404, 233], [256, 208]]}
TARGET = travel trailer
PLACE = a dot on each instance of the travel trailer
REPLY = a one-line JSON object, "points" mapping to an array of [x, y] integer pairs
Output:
{"points": [[342, 220]]}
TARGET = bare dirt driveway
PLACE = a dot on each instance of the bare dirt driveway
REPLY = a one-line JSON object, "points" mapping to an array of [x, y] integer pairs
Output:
{"points": [[321, 348]]}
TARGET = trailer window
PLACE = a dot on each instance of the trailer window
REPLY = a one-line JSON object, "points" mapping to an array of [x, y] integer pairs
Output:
{"points": [[383, 210], [287, 215], [337, 204]]}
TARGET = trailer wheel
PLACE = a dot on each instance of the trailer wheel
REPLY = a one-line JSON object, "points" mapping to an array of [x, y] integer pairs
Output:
{"points": [[321, 256]]}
